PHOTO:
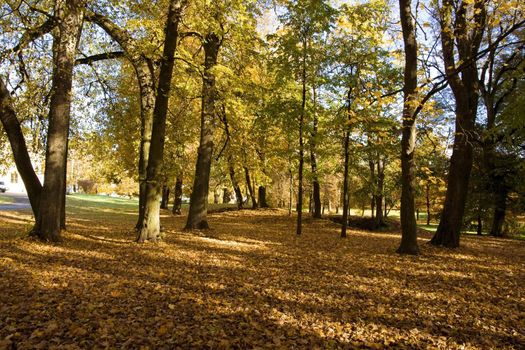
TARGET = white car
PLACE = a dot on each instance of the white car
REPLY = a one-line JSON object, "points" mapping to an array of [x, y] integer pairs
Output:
{"points": [[3, 187]]}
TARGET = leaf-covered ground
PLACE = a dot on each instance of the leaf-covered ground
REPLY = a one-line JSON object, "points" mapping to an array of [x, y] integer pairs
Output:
{"points": [[251, 283]]}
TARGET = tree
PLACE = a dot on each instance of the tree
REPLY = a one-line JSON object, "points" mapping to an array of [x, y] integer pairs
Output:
{"points": [[408, 141], [48, 222], [462, 26], [150, 228], [197, 217]]}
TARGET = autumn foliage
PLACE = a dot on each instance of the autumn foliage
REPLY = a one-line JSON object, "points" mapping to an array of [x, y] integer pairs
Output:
{"points": [[250, 282]]}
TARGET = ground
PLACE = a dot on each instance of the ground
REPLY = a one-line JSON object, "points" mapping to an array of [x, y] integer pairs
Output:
{"points": [[250, 282]]}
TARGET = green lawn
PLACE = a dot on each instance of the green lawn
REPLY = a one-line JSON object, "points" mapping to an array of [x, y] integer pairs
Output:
{"points": [[5, 200]]}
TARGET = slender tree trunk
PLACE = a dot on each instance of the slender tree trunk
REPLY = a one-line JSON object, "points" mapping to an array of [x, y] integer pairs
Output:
{"points": [[316, 194], [165, 197], [226, 195], [408, 139], [427, 195], [198, 214], [380, 221], [235, 184], [290, 202], [216, 197], [373, 182], [480, 225], [346, 197], [301, 144], [262, 197], [18, 146], [249, 187], [48, 222], [150, 228], [177, 201]]}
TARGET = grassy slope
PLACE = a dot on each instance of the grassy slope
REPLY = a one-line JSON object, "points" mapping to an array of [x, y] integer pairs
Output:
{"points": [[250, 281]]}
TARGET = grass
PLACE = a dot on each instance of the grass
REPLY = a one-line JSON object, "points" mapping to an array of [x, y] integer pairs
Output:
{"points": [[251, 282], [5, 200]]}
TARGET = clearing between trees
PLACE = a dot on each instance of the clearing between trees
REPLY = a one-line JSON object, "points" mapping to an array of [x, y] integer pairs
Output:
{"points": [[251, 282]]}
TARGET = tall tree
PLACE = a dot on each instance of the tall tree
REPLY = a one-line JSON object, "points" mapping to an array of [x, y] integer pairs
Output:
{"points": [[70, 15], [197, 217], [150, 228], [462, 26], [408, 139]]}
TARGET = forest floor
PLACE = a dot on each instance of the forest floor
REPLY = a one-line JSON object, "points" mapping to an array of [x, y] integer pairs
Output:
{"points": [[250, 282]]}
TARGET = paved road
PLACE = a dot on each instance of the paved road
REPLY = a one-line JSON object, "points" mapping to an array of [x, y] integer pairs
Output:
{"points": [[20, 201]]}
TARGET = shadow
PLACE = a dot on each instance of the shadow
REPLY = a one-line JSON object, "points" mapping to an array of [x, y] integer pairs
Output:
{"points": [[251, 282]]}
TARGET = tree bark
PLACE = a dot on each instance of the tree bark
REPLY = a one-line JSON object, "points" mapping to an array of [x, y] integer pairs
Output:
{"points": [[290, 194], [346, 151], [17, 141], [165, 197], [226, 195], [48, 222], [465, 89], [235, 184], [380, 221], [427, 194], [197, 218], [177, 201], [301, 143], [313, 160], [250, 188], [499, 212], [150, 227], [408, 139], [346, 197], [262, 197]]}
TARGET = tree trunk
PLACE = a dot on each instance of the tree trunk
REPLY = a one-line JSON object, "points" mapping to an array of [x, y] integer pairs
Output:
{"points": [[249, 187], [380, 221], [65, 42], [313, 160], [480, 225], [165, 197], [262, 197], [235, 184], [427, 195], [177, 201], [150, 228], [346, 197], [147, 104], [216, 197], [197, 218], [226, 195], [499, 213], [449, 228], [18, 146], [465, 89], [301, 143], [290, 203], [408, 139]]}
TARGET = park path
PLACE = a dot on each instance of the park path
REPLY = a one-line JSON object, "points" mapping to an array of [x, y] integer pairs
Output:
{"points": [[20, 201]]}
